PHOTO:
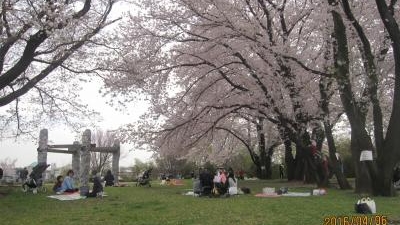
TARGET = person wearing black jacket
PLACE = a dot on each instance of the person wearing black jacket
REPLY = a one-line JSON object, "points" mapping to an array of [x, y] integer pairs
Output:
{"points": [[97, 186], [109, 178]]}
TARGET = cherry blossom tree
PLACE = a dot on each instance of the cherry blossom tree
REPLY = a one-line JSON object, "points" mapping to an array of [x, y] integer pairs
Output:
{"points": [[223, 68], [42, 47], [274, 61]]}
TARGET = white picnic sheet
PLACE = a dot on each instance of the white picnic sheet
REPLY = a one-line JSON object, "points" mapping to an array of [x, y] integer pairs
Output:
{"points": [[67, 197], [297, 194]]}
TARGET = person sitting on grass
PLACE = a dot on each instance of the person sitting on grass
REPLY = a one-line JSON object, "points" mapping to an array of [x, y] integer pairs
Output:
{"points": [[57, 185], [97, 186], [68, 183], [232, 181], [220, 182], [231, 178], [109, 178], [206, 182]]}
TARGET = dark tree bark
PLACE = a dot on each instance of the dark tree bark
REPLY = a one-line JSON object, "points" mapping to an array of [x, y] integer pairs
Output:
{"points": [[372, 76], [360, 140], [371, 176], [289, 160], [261, 169], [264, 168], [326, 93], [342, 181], [390, 153], [306, 167]]}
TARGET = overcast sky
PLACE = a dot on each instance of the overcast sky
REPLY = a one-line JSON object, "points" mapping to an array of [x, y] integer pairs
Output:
{"points": [[25, 150]]}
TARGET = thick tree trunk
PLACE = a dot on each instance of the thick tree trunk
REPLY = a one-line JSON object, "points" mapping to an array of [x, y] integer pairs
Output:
{"points": [[363, 179], [289, 160], [325, 93], [342, 181], [262, 171], [360, 139], [264, 168], [299, 164], [268, 168], [390, 153], [372, 76], [307, 169]]}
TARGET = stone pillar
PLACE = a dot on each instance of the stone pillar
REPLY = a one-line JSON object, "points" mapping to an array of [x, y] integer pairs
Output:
{"points": [[42, 149], [85, 162], [76, 157], [115, 161]]}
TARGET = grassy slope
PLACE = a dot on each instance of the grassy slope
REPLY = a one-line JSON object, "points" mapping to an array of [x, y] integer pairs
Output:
{"points": [[167, 205]]}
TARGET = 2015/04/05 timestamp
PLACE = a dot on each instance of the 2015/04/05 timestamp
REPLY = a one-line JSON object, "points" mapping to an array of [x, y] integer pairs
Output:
{"points": [[356, 220]]}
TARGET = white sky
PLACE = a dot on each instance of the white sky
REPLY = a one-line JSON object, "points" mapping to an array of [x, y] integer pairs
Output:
{"points": [[25, 150]]}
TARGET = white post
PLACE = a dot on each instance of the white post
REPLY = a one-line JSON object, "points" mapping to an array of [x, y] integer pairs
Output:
{"points": [[115, 161], [42, 150], [85, 162], [76, 157]]}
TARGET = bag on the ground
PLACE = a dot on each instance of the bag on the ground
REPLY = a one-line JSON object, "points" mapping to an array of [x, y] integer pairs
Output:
{"points": [[268, 190], [365, 206], [282, 190], [196, 186], [319, 191], [245, 190], [215, 191]]}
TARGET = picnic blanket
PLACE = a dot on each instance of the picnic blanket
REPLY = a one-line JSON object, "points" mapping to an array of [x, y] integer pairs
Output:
{"points": [[67, 197], [177, 182], [297, 194], [267, 195], [289, 194]]}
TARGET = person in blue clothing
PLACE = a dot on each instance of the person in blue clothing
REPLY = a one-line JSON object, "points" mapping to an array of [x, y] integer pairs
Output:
{"points": [[68, 183]]}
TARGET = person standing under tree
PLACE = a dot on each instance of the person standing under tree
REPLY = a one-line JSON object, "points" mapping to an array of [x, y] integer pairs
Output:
{"points": [[281, 169]]}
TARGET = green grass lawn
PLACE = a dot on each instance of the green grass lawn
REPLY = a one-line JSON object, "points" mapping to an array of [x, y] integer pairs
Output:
{"points": [[166, 205]]}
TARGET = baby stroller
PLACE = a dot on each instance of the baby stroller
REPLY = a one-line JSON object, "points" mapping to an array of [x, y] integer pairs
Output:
{"points": [[35, 182], [144, 179]]}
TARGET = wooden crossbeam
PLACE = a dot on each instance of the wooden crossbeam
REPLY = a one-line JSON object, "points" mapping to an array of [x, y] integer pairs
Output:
{"points": [[104, 149], [58, 148], [61, 146], [55, 150], [68, 146]]}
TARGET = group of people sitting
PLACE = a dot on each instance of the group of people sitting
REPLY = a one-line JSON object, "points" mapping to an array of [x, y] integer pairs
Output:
{"points": [[67, 184], [222, 183]]}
